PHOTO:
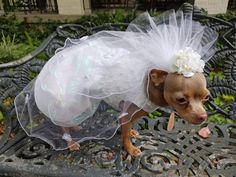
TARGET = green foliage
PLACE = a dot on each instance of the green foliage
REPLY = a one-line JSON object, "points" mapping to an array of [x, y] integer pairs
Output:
{"points": [[10, 50], [42, 56], [219, 44], [220, 119], [150, 115], [12, 26], [222, 99], [217, 74], [204, 11], [32, 75], [111, 16], [228, 98], [29, 39], [7, 42], [154, 114], [1, 117], [227, 16], [154, 12], [21, 38]]}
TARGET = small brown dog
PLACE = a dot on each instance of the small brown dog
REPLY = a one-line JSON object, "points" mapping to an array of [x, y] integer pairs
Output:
{"points": [[185, 95]]}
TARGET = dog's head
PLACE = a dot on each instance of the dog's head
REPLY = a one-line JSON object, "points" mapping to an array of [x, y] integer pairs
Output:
{"points": [[185, 95]]}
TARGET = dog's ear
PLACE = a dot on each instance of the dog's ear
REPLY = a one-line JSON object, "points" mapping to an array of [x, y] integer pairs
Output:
{"points": [[157, 76]]}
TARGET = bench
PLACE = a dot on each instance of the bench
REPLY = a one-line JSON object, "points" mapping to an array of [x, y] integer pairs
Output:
{"points": [[181, 152]]}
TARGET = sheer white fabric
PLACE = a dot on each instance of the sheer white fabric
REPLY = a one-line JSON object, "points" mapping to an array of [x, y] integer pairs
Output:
{"points": [[108, 67]]}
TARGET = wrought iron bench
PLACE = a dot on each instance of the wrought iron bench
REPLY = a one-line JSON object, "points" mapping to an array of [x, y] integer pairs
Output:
{"points": [[181, 152]]}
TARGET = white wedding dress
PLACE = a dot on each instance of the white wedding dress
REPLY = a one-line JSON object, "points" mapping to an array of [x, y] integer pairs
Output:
{"points": [[108, 67]]}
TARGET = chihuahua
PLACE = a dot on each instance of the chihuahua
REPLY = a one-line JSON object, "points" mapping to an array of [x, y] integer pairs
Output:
{"points": [[185, 95]]}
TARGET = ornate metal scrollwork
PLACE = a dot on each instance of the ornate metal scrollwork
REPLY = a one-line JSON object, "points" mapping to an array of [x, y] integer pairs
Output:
{"points": [[181, 152]]}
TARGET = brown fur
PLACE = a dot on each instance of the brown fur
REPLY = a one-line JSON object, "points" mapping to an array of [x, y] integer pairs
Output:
{"points": [[185, 95], [169, 90]]}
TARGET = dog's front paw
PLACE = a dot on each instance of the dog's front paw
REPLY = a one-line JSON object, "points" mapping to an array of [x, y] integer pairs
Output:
{"points": [[134, 133], [77, 128], [73, 146], [134, 151]]}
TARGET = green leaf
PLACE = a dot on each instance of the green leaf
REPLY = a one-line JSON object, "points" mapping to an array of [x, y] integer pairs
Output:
{"points": [[151, 116], [29, 39], [218, 74], [156, 113], [1, 117], [218, 101], [220, 119], [228, 98]]}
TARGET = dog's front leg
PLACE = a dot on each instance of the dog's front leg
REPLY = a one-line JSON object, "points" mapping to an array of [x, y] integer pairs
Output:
{"points": [[126, 128], [127, 132], [72, 145]]}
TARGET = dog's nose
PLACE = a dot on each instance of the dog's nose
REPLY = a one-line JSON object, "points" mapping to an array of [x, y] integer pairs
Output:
{"points": [[201, 117]]}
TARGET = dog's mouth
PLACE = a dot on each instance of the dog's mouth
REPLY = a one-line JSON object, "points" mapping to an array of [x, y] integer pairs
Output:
{"points": [[198, 122], [191, 118], [194, 120]]}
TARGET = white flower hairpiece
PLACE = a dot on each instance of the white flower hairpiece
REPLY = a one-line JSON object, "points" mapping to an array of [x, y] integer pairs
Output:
{"points": [[188, 62]]}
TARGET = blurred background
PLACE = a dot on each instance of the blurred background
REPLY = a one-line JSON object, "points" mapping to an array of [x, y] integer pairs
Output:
{"points": [[83, 7]]}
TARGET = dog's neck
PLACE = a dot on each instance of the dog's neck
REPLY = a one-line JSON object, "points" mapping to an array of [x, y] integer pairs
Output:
{"points": [[156, 94]]}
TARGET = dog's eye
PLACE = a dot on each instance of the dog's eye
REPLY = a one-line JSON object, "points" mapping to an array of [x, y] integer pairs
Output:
{"points": [[181, 100], [206, 98]]}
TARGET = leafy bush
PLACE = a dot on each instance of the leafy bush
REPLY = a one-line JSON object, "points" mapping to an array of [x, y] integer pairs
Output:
{"points": [[111, 16], [220, 119], [12, 26], [220, 101], [21, 37], [10, 50], [227, 16]]}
